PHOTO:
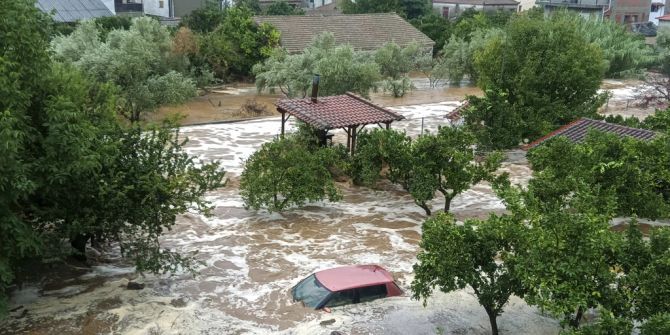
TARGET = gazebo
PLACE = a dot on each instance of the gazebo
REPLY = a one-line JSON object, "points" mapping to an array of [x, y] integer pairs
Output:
{"points": [[348, 111]]}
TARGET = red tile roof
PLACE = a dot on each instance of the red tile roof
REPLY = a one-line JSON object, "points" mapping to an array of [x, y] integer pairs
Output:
{"points": [[576, 131], [665, 17], [337, 111]]}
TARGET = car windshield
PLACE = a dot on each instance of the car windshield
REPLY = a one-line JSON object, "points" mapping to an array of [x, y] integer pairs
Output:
{"points": [[310, 292]]}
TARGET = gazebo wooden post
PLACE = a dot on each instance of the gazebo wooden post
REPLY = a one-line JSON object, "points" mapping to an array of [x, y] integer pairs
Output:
{"points": [[353, 139], [388, 125], [348, 129], [283, 121]]}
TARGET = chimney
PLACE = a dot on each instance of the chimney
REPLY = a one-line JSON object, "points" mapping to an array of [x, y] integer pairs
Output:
{"points": [[315, 87]]}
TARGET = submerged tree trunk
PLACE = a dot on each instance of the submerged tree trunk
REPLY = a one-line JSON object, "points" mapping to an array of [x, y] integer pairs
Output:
{"points": [[425, 207], [574, 323], [492, 319], [447, 204]]}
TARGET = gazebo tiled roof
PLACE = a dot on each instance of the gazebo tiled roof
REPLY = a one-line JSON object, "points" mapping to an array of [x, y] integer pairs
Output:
{"points": [[576, 131], [337, 111]]}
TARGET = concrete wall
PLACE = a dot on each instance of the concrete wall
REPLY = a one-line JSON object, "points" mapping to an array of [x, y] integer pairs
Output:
{"points": [[157, 7], [629, 11]]}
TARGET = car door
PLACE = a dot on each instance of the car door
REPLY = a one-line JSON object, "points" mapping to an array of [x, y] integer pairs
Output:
{"points": [[341, 298], [370, 293]]}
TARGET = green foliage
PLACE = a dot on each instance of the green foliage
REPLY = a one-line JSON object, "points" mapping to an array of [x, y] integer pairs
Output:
{"points": [[625, 53], [410, 9], [395, 63], [566, 263], [634, 174], [657, 324], [606, 324], [70, 171], [341, 68], [458, 55], [137, 60], [251, 5], [436, 27], [285, 173], [444, 162], [165, 182], [479, 254], [106, 24], [206, 18], [281, 7], [547, 73]]}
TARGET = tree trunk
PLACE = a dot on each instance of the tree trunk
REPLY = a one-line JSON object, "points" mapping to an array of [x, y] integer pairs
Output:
{"points": [[447, 204], [574, 323], [79, 244], [493, 321], [425, 208]]}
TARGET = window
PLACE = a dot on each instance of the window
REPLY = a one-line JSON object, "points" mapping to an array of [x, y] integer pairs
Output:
{"points": [[342, 298], [160, 4], [310, 292], [445, 12], [372, 292]]}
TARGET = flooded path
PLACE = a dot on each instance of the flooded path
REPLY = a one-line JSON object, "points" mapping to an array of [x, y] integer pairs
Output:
{"points": [[252, 258]]}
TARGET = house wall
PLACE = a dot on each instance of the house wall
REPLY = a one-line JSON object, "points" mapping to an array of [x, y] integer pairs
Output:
{"points": [[584, 12], [317, 3], [157, 7], [185, 7], [454, 9], [630, 11], [663, 24]]}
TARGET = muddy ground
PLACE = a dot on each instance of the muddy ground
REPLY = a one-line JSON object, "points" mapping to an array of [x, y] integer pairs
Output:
{"points": [[252, 258]]}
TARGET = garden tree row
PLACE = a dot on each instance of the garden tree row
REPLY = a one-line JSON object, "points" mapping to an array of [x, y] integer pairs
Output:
{"points": [[444, 162], [70, 171], [291, 171], [341, 68], [555, 248]]}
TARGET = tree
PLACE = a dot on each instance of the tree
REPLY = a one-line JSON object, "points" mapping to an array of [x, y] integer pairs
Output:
{"points": [[566, 263], [445, 162], [282, 7], [436, 27], [658, 324], [252, 5], [206, 18], [341, 68], [633, 173], [395, 63], [410, 9], [284, 173], [546, 71], [137, 60], [478, 254]]}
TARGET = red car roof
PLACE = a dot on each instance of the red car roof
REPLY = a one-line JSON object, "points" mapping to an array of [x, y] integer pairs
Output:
{"points": [[347, 277]]}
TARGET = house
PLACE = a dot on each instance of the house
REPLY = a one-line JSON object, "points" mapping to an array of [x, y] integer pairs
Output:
{"points": [[129, 7], [664, 21], [657, 10], [576, 131], [365, 32], [74, 10], [453, 8], [170, 8], [621, 11]]}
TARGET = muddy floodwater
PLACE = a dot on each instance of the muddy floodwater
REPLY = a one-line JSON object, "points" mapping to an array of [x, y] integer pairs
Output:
{"points": [[252, 258]]}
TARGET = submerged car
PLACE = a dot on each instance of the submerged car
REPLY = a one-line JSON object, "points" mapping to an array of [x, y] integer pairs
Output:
{"points": [[345, 285]]}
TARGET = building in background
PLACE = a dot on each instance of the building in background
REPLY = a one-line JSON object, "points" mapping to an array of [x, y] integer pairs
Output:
{"points": [[622, 11], [366, 32], [454, 8], [73, 10]]}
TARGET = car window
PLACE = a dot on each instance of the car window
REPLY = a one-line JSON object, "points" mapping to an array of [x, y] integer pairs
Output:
{"points": [[372, 292], [342, 298], [310, 291]]}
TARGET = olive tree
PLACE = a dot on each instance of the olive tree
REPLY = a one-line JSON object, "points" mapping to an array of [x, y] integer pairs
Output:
{"points": [[478, 254], [341, 68]]}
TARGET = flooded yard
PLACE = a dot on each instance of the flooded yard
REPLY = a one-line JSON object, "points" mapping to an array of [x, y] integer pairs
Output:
{"points": [[252, 258]]}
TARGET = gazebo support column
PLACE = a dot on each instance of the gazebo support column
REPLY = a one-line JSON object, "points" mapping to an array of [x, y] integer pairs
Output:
{"points": [[388, 125], [353, 136], [283, 121]]}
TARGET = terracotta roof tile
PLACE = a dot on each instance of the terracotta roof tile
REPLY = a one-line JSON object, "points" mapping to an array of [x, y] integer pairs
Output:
{"points": [[337, 111], [361, 31], [576, 131]]}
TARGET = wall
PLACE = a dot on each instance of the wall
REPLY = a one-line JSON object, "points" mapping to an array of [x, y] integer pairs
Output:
{"points": [[628, 11], [153, 7]]}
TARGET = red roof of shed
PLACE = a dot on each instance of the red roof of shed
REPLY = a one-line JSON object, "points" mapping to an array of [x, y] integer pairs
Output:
{"points": [[347, 277], [665, 17], [576, 131], [337, 111]]}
